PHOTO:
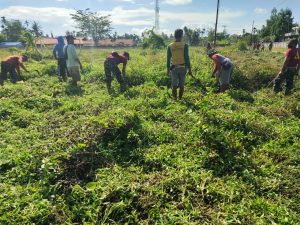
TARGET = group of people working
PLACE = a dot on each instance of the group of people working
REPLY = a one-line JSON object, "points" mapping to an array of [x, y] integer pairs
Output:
{"points": [[178, 65]]}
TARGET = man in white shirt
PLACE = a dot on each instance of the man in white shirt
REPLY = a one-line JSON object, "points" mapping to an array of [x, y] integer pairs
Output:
{"points": [[72, 60]]}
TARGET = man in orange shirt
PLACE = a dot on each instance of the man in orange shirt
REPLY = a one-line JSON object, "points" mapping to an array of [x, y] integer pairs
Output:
{"points": [[12, 66]]}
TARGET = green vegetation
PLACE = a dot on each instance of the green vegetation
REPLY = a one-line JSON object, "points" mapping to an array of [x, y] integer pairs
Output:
{"points": [[80, 156]]}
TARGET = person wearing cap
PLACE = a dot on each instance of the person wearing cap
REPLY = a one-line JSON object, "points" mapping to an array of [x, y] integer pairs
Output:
{"points": [[178, 62], [289, 69], [58, 53], [72, 60], [12, 66], [223, 67], [111, 69]]}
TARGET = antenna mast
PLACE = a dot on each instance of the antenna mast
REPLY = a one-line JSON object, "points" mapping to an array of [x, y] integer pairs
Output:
{"points": [[156, 16]]}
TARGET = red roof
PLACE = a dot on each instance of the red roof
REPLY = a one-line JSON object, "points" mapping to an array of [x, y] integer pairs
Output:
{"points": [[90, 43]]}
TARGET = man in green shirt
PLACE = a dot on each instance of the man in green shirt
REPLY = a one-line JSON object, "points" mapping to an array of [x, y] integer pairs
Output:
{"points": [[178, 61]]}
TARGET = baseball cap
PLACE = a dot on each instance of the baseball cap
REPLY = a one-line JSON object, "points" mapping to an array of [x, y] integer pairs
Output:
{"points": [[211, 52]]}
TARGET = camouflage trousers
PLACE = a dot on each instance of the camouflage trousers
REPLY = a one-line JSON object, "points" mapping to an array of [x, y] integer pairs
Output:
{"points": [[111, 69], [288, 78]]}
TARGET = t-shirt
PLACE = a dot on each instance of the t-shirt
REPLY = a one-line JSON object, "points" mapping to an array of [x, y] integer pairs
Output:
{"points": [[117, 59], [72, 58], [293, 55], [219, 61], [14, 61]]}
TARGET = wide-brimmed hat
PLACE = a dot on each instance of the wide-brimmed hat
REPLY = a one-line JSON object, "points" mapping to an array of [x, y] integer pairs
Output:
{"points": [[211, 52]]}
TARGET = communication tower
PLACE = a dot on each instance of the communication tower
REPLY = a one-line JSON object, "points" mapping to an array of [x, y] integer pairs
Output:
{"points": [[156, 28]]}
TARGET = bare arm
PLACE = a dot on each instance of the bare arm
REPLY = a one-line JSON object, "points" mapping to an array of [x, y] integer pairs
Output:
{"points": [[23, 67]]}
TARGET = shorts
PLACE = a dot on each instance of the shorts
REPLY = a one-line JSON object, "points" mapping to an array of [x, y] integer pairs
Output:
{"points": [[225, 75], [178, 77], [74, 73]]}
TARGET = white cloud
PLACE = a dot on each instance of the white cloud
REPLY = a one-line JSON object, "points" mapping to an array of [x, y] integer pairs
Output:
{"points": [[58, 20], [131, 17], [260, 11], [53, 19], [130, 1], [177, 2]]}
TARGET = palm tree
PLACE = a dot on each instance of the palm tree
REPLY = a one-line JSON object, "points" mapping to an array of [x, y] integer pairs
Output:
{"points": [[36, 29]]}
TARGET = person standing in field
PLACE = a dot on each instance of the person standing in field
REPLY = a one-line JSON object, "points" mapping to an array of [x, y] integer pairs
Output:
{"points": [[270, 46], [58, 53], [111, 69], [178, 62], [12, 66], [223, 69], [289, 69], [72, 61]]}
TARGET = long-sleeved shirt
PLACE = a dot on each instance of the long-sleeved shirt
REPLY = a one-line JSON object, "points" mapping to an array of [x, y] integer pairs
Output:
{"points": [[58, 50], [178, 54]]}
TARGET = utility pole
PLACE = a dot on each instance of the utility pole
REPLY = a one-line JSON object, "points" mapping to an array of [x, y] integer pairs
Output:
{"points": [[216, 26]]}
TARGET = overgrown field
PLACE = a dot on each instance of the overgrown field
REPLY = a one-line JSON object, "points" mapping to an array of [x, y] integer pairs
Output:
{"points": [[80, 156]]}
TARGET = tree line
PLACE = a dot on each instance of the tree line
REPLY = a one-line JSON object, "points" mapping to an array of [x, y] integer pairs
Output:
{"points": [[92, 25]]}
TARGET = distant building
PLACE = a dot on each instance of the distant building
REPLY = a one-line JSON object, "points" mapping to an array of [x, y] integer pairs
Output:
{"points": [[48, 41], [81, 42], [11, 45], [293, 34]]}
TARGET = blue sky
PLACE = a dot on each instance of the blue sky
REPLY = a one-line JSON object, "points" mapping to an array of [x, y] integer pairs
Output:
{"points": [[134, 16]]}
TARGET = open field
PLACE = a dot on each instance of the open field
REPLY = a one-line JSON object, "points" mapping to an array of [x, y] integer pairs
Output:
{"points": [[80, 156]]}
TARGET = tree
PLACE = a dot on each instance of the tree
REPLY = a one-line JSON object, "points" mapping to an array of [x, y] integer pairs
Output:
{"points": [[29, 40], [92, 24], [192, 36], [2, 37], [152, 40], [11, 29], [36, 29], [279, 23]]}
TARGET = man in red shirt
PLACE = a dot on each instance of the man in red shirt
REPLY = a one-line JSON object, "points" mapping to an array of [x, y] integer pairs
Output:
{"points": [[111, 68], [289, 69], [12, 66], [223, 69]]}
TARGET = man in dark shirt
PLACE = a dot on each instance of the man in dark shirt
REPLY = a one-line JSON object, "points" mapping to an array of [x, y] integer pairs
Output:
{"points": [[289, 69], [12, 66]]}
